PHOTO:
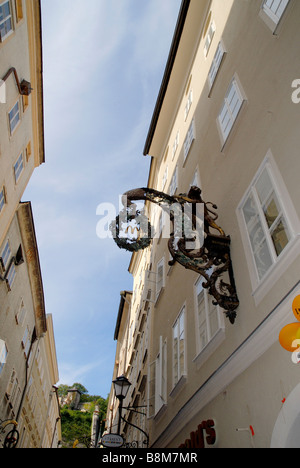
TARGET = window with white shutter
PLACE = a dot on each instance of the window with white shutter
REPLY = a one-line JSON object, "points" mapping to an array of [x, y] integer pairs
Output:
{"points": [[216, 63], [209, 38], [2, 199], [275, 9], [209, 316], [6, 21], [160, 277], [14, 117], [190, 137], [3, 355], [175, 145], [230, 109], [179, 347], [18, 167], [174, 182], [188, 105]]}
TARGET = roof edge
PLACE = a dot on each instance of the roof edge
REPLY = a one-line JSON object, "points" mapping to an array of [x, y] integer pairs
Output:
{"points": [[167, 74]]}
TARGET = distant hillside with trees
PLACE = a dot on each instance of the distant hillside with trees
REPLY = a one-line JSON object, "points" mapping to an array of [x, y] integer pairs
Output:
{"points": [[76, 423]]}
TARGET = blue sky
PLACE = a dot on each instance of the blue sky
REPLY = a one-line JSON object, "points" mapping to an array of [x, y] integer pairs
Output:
{"points": [[103, 65]]}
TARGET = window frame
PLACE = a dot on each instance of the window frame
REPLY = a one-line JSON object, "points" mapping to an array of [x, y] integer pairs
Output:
{"points": [[2, 199], [231, 112], [269, 16], [159, 283], [216, 64], [176, 331], [5, 256], [175, 145], [188, 105], [209, 37], [157, 381], [19, 167], [12, 125], [189, 139], [213, 340], [174, 182], [261, 286], [3, 355], [9, 17]]}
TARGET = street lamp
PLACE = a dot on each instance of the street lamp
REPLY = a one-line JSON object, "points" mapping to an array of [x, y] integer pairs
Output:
{"points": [[121, 386]]}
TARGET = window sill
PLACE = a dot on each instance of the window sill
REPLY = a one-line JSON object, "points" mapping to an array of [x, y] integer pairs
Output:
{"points": [[160, 412], [210, 348], [178, 387]]}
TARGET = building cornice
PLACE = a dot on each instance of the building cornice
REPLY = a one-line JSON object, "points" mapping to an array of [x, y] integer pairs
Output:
{"points": [[27, 230]]}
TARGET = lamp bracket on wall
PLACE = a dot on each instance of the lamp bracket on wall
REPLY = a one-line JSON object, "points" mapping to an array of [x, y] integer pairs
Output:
{"points": [[195, 240]]}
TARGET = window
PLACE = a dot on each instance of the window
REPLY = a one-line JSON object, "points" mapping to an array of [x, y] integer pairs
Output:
{"points": [[179, 347], [2, 199], [3, 355], [275, 9], [14, 117], [5, 261], [157, 389], [160, 277], [6, 25], [11, 276], [5, 256], [188, 105], [216, 63], [175, 145], [209, 38], [174, 182], [13, 391], [161, 373], [209, 316], [189, 139], [266, 223], [230, 109], [165, 178], [18, 167], [26, 342]]}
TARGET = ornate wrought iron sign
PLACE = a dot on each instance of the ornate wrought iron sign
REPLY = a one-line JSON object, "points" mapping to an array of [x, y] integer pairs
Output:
{"points": [[191, 240]]}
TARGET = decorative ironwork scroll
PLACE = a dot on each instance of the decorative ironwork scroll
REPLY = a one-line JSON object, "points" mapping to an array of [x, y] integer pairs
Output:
{"points": [[195, 247]]}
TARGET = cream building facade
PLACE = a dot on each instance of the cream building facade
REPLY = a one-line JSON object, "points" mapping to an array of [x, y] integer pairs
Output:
{"points": [[28, 370], [226, 120], [21, 102]]}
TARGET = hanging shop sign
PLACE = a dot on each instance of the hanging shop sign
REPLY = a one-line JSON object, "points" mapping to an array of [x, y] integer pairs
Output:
{"points": [[205, 434], [112, 441]]}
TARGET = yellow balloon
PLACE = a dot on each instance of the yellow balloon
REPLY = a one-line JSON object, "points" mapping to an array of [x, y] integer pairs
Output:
{"points": [[289, 337], [296, 307]]}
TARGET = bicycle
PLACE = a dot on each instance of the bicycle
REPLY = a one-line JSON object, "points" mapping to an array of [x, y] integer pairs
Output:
{"points": [[12, 436]]}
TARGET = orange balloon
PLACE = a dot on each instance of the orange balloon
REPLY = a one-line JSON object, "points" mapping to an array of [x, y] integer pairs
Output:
{"points": [[288, 335], [296, 307]]}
